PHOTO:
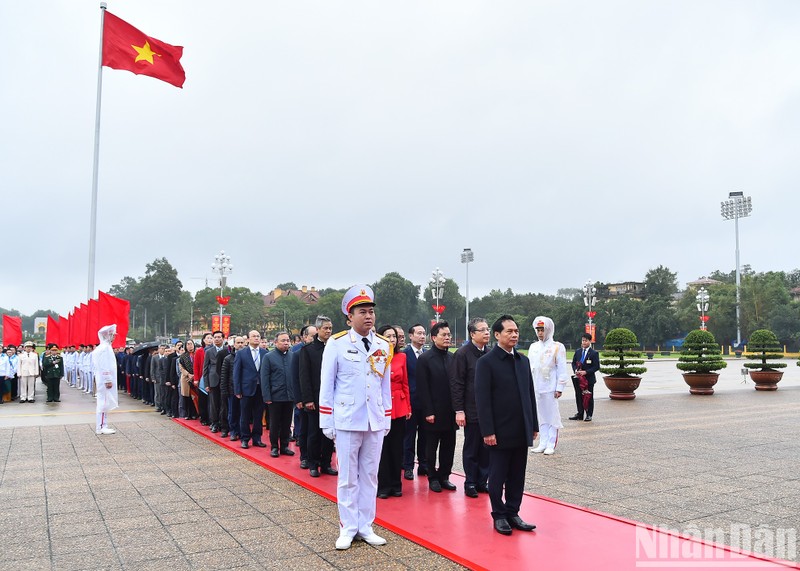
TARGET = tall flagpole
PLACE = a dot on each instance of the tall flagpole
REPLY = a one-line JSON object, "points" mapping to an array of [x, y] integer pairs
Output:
{"points": [[93, 222]]}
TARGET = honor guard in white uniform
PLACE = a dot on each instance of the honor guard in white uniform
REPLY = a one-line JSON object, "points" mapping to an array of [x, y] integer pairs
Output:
{"points": [[104, 365], [550, 374], [355, 407]]}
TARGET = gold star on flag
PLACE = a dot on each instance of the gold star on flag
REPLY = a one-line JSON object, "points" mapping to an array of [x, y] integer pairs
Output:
{"points": [[145, 53]]}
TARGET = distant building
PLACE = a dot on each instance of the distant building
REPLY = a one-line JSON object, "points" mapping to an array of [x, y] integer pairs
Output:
{"points": [[309, 296], [631, 289], [795, 293], [703, 282]]}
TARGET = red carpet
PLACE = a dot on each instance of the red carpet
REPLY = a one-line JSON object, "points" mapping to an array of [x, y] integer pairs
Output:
{"points": [[460, 528]]}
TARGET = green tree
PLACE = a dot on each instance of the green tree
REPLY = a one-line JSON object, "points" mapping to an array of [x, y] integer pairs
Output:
{"points": [[288, 313], [397, 299], [287, 285], [661, 282], [330, 305]]}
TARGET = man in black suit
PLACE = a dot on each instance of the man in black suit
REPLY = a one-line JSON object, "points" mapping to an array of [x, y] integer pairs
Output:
{"points": [[212, 377], [507, 418], [475, 455], [415, 433], [247, 388], [585, 363], [436, 407], [320, 449]]}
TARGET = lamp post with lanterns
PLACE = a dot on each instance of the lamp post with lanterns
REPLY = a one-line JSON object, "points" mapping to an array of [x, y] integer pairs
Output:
{"points": [[589, 300], [222, 266], [702, 306], [437, 292]]}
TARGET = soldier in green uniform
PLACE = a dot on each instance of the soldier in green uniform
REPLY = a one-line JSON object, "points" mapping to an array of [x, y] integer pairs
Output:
{"points": [[52, 371]]}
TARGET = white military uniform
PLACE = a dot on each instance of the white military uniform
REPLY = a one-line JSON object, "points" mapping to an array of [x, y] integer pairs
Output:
{"points": [[104, 363], [550, 374], [356, 400]]}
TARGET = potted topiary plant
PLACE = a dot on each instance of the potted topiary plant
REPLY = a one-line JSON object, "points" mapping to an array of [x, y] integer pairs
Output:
{"points": [[766, 349], [700, 357], [621, 363]]}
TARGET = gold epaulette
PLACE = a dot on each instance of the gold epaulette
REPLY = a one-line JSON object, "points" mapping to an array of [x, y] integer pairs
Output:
{"points": [[382, 337], [340, 334]]}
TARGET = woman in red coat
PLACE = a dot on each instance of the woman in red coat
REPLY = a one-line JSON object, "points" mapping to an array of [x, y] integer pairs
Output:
{"points": [[391, 465]]}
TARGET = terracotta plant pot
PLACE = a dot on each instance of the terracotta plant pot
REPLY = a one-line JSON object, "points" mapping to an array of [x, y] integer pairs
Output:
{"points": [[766, 380], [622, 388], [701, 383]]}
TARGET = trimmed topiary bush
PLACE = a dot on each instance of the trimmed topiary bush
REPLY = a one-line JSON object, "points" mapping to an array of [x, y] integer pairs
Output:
{"points": [[701, 353], [766, 348], [621, 357]]}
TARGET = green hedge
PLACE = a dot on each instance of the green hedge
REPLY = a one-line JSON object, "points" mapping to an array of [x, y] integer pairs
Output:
{"points": [[700, 353], [765, 347], [621, 357]]}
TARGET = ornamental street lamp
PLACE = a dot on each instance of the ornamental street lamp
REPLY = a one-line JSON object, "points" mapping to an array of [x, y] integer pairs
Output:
{"points": [[589, 300], [222, 266], [738, 206], [437, 292], [466, 257], [702, 306]]}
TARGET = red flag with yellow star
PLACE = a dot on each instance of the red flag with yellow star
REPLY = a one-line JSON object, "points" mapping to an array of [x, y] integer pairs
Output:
{"points": [[125, 47]]}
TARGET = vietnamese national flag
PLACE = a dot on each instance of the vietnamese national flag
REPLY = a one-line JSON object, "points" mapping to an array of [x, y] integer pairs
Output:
{"points": [[12, 330], [125, 47]]}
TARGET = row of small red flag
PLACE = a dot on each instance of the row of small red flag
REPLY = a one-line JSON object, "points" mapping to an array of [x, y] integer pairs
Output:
{"points": [[80, 326]]}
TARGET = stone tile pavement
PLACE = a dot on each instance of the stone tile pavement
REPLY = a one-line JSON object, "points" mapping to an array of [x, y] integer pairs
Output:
{"points": [[157, 496]]}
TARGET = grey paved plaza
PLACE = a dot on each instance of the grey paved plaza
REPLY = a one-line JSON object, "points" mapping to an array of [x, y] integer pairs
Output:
{"points": [[158, 496]]}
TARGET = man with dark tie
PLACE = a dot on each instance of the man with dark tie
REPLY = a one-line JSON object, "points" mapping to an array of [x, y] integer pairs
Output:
{"points": [[585, 363], [415, 435], [212, 377], [247, 388], [506, 405]]}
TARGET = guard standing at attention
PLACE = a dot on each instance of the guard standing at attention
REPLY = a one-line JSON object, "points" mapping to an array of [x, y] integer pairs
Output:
{"points": [[355, 407]]}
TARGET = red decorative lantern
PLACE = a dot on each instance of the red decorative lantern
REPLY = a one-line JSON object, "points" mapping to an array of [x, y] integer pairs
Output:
{"points": [[223, 300], [438, 308], [591, 314], [704, 318]]}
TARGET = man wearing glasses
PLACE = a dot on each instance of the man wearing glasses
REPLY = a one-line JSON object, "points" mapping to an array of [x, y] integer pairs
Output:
{"points": [[475, 455]]}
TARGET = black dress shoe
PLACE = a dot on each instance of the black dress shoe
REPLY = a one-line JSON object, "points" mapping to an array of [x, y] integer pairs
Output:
{"points": [[163, 412], [259, 444], [287, 452], [274, 453], [449, 486], [576, 417], [502, 527], [244, 444], [435, 486], [517, 523], [214, 429], [383, 495], [408, 474], [304, 464], [397, 493], [224, 435], [471, 492], [330, 471], [422, 471], [314, 473], [482, 488], [587, 419], [234, 438], [32, 401]]}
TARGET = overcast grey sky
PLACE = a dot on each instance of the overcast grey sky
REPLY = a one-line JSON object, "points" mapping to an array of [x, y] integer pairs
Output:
{"points": [[328, 143]]}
